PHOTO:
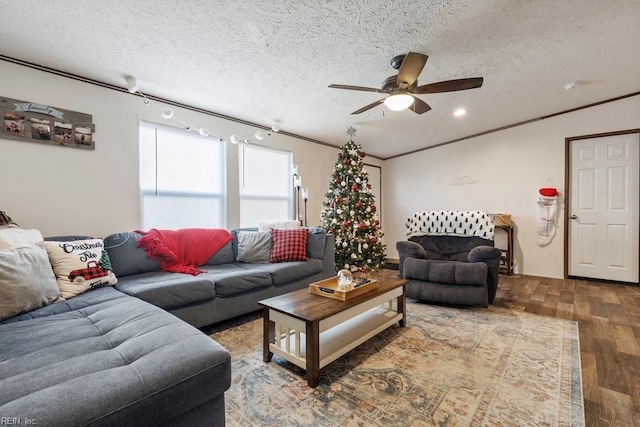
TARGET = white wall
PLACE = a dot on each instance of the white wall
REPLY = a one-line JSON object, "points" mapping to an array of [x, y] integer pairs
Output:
{"points": [[509, 166], [61, 190]]}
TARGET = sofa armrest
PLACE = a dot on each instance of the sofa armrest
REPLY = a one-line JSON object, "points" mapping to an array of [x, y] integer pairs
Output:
{"points": [[411, 249], [483, 253], [406, 250], [446, 272]]}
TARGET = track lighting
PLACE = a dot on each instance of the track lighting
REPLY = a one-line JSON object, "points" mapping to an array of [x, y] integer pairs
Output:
{"points": [[168, 113], [132, 84]]}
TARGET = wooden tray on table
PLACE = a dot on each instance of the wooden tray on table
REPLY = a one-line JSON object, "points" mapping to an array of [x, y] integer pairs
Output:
{"points": [[329, 288]]}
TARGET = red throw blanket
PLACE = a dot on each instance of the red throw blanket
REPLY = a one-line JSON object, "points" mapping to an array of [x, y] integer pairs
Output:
{"points": [[180, 251]]}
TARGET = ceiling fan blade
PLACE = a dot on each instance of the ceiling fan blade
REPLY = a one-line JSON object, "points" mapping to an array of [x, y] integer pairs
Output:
{"points": [[419, 106], [361, 88], [368, 107], [411, 67], [450, 85]]}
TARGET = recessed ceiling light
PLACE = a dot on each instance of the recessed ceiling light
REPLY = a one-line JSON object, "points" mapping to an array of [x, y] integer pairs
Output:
{"points": [[460, 112], [571, 85]]}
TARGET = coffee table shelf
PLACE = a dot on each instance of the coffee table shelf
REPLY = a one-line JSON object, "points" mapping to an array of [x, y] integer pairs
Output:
{"points": [[335, 341]]}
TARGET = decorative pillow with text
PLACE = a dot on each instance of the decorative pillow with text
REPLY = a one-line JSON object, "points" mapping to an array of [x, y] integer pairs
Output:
{"points": [[79, 265]]}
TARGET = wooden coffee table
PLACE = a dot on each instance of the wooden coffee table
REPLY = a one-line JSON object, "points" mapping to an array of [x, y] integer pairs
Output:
{"points": [[312, 331]]}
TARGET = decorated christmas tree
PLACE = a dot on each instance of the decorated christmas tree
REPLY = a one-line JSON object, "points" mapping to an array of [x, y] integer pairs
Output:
{"points": [[349, 213]]}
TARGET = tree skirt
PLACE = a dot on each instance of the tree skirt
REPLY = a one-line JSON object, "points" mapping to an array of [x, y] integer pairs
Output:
{"points": [[448, 367]]}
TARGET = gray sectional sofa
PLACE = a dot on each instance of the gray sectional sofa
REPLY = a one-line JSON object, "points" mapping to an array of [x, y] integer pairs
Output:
{"points": [[116, 356], [227, 289]]}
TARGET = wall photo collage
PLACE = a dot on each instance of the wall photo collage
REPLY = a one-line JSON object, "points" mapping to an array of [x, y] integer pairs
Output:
{"points": [[32, 122]]}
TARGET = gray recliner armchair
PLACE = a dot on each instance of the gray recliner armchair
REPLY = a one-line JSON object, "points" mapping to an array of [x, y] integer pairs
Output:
{"points": [[450, 258]]}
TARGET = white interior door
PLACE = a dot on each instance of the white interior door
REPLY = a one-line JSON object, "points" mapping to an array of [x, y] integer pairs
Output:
{"points": [[604, 208]]}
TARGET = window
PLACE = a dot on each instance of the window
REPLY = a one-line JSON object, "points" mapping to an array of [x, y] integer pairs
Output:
{"points": [[265, 185], [181, 179]]}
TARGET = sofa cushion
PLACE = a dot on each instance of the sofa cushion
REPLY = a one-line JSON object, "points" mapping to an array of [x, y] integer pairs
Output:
{"points": [[288, 245], [286, 272], [446, 272], [111, 361], [168, 290], [224, 255], [231, 279], [26, 280], [254, 247], [451, 247], [315, 242], [125, 255], [79, 265]]}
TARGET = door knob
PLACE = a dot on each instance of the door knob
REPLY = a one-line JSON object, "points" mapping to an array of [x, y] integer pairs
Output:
{"points": [[574, 216]]}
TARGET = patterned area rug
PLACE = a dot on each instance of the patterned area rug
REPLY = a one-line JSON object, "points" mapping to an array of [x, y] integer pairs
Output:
{"points": [[448, 367]]}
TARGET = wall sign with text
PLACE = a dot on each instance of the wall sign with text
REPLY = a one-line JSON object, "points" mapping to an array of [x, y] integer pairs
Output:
{"points": [[31, 122]]}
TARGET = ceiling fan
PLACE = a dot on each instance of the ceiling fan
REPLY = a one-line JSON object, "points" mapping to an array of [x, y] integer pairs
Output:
{"points": [[403, 87]]}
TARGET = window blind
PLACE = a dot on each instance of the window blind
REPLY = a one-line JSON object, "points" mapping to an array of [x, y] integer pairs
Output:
{"points": [[265, 185], [181, 179]]}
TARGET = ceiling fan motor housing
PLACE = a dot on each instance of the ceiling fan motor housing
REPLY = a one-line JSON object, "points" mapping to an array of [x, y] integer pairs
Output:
{"points": [[391, 85], [396, 61]]}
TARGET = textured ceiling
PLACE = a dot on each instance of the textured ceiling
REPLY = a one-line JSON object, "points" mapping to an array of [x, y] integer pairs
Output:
{"points": [[264, 60]]}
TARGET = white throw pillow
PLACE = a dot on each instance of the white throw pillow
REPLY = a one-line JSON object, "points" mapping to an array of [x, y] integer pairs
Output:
{"points": [[26, 280], [12, 236], [80, 265], [287, 224]]}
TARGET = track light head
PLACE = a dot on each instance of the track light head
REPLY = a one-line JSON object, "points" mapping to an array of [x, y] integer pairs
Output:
{"points": [[132, 84]]}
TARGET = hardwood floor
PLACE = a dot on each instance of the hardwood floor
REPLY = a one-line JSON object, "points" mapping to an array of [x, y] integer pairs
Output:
{"points": [[608, 317]]}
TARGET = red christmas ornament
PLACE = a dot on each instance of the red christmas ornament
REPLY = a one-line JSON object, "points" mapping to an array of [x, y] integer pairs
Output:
{"points": [[354, 187], [373, 208], [359, 205], [339, 155], [332, 205], [360, 226], [374, 240], [361, 154], [345, 161], [345, 224], [339, 200]]}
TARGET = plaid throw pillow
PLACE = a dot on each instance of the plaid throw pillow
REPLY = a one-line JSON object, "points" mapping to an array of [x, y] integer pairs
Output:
{"points": [[288, 245]]}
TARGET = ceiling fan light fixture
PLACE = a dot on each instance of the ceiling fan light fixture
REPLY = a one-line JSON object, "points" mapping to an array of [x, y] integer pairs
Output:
{"points": [[460, 112], [398, 102]]}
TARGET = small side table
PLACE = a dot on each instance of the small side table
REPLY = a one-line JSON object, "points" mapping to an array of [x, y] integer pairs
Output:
{"points": [[506, 254]]}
